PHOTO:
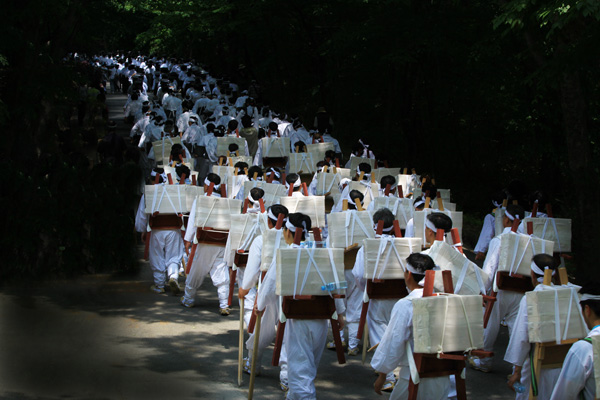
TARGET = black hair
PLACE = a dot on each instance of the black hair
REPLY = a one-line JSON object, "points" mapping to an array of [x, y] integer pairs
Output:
{"points": [[232, 125], [241, 166], [418, 199], [159, 171], [301, 146], [246, 121], [387, 180], [365, 167], [516, 211], [145, 109], [176, 151], [214, 178], [257, 193], [592, 288], [330, 154], [233, 147], [277, 209], [254, 169], [545, 260], [420, 262], [429, 186], [300, 220], [182, 169], [440, 221], [291, 179], [541, 198], [355, 194], [386, 215], [210, 127], [273, 126], [219, 131]]}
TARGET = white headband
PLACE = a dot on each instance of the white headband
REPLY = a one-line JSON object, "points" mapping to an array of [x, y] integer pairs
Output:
{"points": [[290, 226], [207, 183], [510, 216], [430, 225], [418, 203], [496, 204], [272, 171], [271, 215], [388, 229], [587, 296], [538, 271], [412, 269], [296, 184], [251, 199]]}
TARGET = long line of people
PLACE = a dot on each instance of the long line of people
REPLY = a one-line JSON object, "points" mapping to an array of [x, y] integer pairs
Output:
{"points": [[182, 100]]}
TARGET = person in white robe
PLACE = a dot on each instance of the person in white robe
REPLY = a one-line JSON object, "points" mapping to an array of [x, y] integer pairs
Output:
{"points": [[398, 336], [208, 259], [519, 348], [576, 380], [507, 302]]}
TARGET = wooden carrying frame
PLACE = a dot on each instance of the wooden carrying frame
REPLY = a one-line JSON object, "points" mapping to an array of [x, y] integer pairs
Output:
{"points": [[443, 364], [308, 307], [381, 289], [551, 354]]}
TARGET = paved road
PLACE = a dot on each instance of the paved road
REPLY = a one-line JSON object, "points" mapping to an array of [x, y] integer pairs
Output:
{"points": [[109, 337]]}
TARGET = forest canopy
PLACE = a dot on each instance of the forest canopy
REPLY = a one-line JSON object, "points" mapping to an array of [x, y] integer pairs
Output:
{"points": [[477, 93]]}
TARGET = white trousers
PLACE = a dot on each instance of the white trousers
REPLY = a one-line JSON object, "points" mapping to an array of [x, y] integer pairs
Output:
{"points": [[248, 299], [208, 260], [305, 342], [354, 302], [507, 308], [164, 254], [378, 318]]}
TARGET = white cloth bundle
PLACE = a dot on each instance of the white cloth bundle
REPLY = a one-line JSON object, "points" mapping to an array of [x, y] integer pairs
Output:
{"points": [[223, 171], [557, 230], [305, 162], [368, 189], [349, 227], [272, 241], [385, 257], [275, 146], [313, 206], [444, 194], [409, 183], [402, 208], [467, 277], [310, 271], [215, 212], [447, 323], [517, 250], [419, 221], [554, 315], [241, 158], [162, 149], [224, 142], [326, 182], [319, 149], [191, 193], [273, 191], [381, 172], [244, 229], [166, 199], [354, 161]]}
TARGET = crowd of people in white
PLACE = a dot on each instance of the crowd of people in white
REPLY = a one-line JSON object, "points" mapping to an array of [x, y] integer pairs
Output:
{"points": [[180, 100]]}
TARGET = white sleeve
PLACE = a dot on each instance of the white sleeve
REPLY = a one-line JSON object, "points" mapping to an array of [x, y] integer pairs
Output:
{"points": [[573, 375], [190, 229], [518, 345], [488, 231], [252, 271], [490, 265], [258, 156], [359, 269], [267, 289], [141, 218], [410, 228], [392, 347]]}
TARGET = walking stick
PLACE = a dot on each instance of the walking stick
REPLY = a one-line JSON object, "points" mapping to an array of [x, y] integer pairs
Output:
{"points": [[254, 355], [365, 343], [241, 343]]}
